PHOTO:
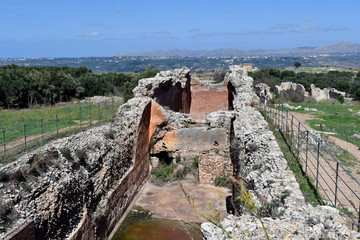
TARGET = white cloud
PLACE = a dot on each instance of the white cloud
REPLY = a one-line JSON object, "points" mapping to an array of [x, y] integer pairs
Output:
{"points": [[283, 26], [91, 34], [119, 8], [309, 19], [317, 29], [161, 32]]}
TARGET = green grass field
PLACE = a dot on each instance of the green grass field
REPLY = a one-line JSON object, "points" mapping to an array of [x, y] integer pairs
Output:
{"points": [[32, 122], [336, 119]]}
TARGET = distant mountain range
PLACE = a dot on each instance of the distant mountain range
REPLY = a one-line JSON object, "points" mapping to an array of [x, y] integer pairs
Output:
{"points": [[341, 48]]}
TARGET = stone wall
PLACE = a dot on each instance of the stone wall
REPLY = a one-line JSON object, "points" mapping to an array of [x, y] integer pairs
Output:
{"points": [[79, 187], [285, 86], [261, 167], [324, 94]]}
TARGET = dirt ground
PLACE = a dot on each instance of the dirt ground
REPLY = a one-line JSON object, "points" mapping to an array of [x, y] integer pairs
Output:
{"points": [[168, 201], [351, 148]]}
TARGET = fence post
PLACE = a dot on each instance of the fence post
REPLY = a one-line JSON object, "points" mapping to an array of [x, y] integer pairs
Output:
{"points": [[358, 225], [90, 113], [42, 131], [99, 113], [25, 136], [57, 125], [317, 166], [69, 122], [286, 124], [106, 111], [307, 149], [80, 120], [4, 144], [336, 181], [299, 126], [292, 130]]}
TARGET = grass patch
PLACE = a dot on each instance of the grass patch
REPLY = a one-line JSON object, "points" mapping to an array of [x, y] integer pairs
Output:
{"points": [[335, 118]]}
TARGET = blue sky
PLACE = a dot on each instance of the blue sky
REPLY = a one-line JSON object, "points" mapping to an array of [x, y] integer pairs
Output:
{"points": [[83, 28]]}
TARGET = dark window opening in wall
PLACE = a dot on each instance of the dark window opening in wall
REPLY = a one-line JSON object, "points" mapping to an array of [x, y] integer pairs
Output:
{"points": [[164, 158], [231, 92]]}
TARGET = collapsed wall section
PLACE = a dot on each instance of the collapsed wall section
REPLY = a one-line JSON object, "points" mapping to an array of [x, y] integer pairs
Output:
{"points": [[170, 89]]}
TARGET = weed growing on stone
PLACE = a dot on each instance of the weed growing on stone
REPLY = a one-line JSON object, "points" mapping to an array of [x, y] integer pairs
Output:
{"points": [[18, 176], [66, 153], [163, 171], [221, 180], [195, 163], [256, 166]]}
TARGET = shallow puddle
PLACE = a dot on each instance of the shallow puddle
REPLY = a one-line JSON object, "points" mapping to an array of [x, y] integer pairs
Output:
{"points": [[139, 226]]}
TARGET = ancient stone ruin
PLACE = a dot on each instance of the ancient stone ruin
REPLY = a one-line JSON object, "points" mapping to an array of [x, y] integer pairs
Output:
{"points": [[81, 187]]}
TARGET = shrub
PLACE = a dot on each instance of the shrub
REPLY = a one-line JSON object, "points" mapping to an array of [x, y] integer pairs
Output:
{"points": [[4, 176], [110, 134], [18, 176], [66, 153], [357, 94], [291, 95], [341, 99]]}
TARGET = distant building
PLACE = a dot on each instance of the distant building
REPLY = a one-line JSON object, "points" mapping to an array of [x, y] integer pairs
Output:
{"points": [[249, 67]]}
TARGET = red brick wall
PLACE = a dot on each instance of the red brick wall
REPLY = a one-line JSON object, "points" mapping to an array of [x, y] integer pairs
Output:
{"points": [[211, 166]]}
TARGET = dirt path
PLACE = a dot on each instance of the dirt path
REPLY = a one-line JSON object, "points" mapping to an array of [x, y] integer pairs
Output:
{"points": [[351, 148], [168, 201]]}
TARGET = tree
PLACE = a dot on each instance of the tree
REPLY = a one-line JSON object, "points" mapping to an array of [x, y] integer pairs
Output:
{"points": [[297, 64], [357, 94]]}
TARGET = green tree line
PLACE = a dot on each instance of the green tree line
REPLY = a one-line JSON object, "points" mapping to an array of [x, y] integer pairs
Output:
{"points": [[22, 87], [343, 81]]}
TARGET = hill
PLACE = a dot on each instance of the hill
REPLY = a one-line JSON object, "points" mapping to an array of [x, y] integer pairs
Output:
{"points": [[344, 47]]}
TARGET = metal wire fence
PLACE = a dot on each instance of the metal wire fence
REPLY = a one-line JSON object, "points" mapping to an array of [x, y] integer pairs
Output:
{"points": [[337, 186], [18, 140]]}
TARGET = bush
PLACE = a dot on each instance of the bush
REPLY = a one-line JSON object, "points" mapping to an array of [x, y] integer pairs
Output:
{"points": [[291, 95], [341, 99]]}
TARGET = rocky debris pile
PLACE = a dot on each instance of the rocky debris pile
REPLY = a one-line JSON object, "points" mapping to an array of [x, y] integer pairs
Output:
{"points": [[102, 99], [311, 109], [286, 86], [274, 189], [288, 106], [357, 113]]}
